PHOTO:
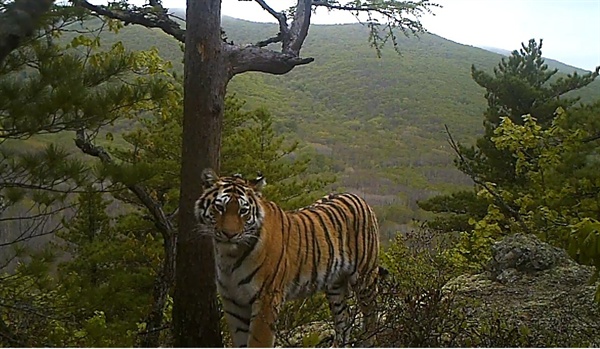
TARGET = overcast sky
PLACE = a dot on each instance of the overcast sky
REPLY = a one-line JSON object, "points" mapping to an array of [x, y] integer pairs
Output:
{"points": [[570, 28]]}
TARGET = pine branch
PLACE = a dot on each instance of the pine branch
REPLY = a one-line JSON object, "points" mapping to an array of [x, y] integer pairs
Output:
{"points": [[163, 223], [499, 200]]}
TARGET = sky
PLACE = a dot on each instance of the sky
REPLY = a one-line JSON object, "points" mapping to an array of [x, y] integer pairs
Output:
{"points": [[570, 28]]}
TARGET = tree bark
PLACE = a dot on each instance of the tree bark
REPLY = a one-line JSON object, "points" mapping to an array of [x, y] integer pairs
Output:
{"points": [[196, 316]]}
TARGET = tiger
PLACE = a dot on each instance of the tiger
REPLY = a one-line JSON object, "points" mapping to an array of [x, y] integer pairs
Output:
{"points": [[265, 256]]}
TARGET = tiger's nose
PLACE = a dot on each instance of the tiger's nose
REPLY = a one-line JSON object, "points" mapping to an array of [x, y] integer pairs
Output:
{"points": [[229, 234]]}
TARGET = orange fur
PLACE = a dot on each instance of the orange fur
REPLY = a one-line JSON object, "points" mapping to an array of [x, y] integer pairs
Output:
{"points": [[265, 256]]}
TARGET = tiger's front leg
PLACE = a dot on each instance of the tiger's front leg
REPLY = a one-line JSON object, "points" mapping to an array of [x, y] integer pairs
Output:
{"points": [[262, 323], [238, 320]]}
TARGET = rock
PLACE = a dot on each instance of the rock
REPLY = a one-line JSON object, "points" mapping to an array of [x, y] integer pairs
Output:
{"points": [[521, 253], [531, 284]]}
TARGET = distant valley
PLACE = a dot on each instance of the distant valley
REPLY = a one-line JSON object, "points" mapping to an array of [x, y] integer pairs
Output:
{"points": [[377, 123]]}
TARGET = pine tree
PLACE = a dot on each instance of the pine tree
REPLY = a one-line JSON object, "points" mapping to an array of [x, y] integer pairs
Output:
{"points": [[521, 85], [61, 82]]}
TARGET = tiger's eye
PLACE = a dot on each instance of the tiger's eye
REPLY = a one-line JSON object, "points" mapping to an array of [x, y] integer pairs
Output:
{"points": [[219, 208]]}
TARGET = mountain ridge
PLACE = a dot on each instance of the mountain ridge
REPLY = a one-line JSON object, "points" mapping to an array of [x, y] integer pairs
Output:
{"points": [[377, 123]]}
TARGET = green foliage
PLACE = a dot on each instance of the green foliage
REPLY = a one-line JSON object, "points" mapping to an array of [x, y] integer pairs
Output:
{"points": [[454, 211], [337, 105], [522, 85], [519, 158], [560, 200], [112, 269], [256, 148], [250, 145], [63, 80]]}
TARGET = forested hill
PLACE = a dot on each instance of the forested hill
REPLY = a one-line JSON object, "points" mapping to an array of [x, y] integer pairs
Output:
{"points": [[377, 122]]}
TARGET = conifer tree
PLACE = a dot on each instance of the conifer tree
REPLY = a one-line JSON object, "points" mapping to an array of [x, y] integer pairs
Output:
{"points": [[521, 84], [60, 82]]}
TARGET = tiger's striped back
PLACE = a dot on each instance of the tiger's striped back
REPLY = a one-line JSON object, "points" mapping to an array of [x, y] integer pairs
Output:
{"points": [[341, 232], [265, 256]]}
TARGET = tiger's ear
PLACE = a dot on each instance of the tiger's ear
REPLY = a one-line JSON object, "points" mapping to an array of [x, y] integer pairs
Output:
{"points": [[208, 178], [259, 183]]}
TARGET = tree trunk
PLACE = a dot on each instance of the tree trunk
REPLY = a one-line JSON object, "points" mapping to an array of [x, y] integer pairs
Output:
{"points": [[195, 309]]}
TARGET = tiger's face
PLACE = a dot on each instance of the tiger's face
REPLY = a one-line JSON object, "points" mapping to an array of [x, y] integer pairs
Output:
{"points": [[229, 208]]}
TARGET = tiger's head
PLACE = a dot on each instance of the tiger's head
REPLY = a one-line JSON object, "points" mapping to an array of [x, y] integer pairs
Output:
{"points": [[229, 208]]}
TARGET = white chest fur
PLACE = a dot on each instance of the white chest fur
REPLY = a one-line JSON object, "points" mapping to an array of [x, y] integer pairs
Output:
{"points": [[234, 272]]}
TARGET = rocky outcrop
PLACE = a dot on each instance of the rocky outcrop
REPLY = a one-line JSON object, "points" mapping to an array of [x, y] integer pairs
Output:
{"points": [[537, 289]]}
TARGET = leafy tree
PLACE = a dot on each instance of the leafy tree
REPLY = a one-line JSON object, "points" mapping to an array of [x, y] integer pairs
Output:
{"points": [[560, 200], [522, 84], [47, 87]]}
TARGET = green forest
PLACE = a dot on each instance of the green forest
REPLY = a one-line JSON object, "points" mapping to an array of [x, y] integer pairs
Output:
{"points": [[454, 147]]}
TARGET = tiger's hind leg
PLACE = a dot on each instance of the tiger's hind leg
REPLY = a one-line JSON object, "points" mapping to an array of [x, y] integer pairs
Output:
{"points": [[366, 293], [337, 296]]}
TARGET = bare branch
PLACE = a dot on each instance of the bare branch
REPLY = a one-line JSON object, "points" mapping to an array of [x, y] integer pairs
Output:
{"points": [[253, 58], [269, 41], [158, 18], [299, 28], [279, 16]]}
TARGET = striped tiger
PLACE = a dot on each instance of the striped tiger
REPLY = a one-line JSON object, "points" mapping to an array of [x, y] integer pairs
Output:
{"points": [[265, 256]]}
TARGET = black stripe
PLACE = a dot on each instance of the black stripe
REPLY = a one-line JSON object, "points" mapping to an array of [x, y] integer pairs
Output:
{"points": [[339, 230], [239, 329], [296, 279], [316, 251], [234, 302], [240, 260], [372, 235], [238, 317], [362, 234], [278, 267], [343, 199], [228, 188], [331, 257], [249, 277], [306, 242], [343, 231], [346, 199]]}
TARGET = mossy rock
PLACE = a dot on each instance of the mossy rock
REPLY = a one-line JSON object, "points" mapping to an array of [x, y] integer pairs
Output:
{"points": [[538, 290]]}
